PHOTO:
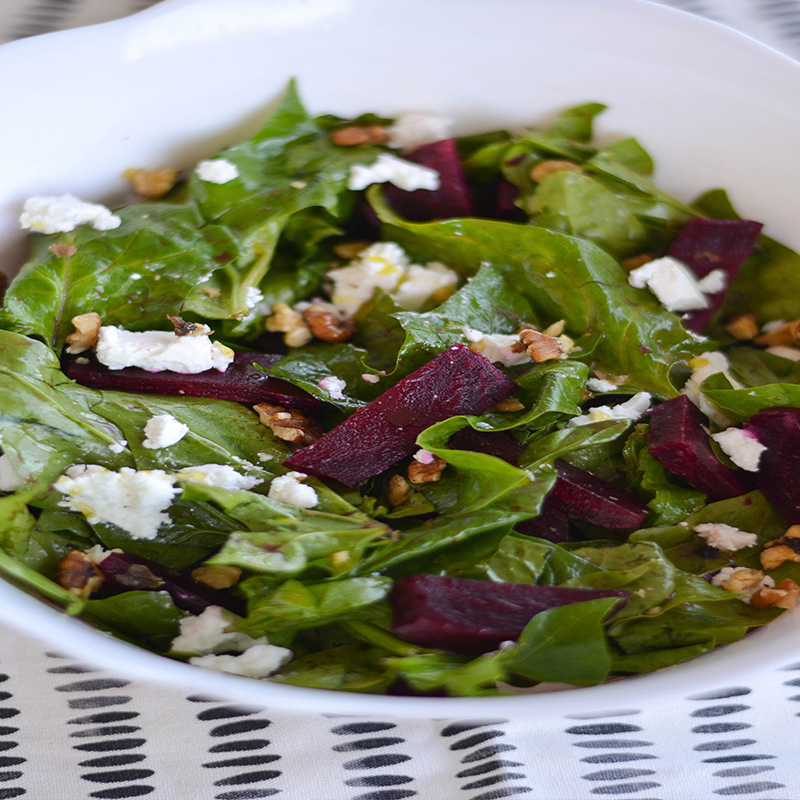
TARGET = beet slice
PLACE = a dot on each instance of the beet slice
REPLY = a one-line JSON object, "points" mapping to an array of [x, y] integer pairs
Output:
{"points": [[125, 572], [677, 438], [469, 616], [499, 444], [551, 525], [583, 495], [241, 381], [709, 244], [778, 476], [378, 435], [451, 199]]}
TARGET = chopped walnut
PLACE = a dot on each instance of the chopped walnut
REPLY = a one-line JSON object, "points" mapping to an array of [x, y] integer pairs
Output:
{"points": [[784, 595], [426, 473], [286, 320], [743, 580], [634, 262], [184, 328], [509, 405], [773, 557], [290, 425], [87, 329], [398, 491], [152, 184], [354, 135], [327, 325], [556, 329], [787, 334], [218, 576], [63, 250], [350, 250], [552, 165], [540, 346], [743, 327], [78, 574]]}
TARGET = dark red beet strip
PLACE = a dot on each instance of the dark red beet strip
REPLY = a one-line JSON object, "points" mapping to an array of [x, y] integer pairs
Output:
{"points": [[469, 616], [499, 444], [583, 495], [240, 382], [551, 525], [378, 435], [709, 244], [125, 572], [778, 476], [678, 440]]}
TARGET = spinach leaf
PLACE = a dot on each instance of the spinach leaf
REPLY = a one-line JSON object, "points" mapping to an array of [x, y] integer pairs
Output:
{"points": [[741, 404]]}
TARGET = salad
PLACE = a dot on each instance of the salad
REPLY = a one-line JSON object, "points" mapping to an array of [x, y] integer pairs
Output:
{"points": [[358, 405]]}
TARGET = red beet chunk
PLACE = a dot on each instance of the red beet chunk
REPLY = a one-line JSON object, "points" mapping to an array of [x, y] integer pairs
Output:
{"points": [[451, 199], [241, 382], [378, 435], [125, 572], [499, 444], [709, 244], [678, 440], [585, 496], [778, 476], [551, 525], [469, 616]]}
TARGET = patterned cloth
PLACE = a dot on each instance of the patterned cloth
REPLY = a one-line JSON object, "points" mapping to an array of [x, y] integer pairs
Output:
{"points": [[70, 731]]}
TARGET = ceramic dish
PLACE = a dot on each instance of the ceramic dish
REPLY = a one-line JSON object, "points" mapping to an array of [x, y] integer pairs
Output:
{"points": [[186, 77]]}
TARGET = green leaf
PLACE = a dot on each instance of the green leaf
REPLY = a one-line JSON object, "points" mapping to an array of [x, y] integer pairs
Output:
{"points": [[741, 404]]}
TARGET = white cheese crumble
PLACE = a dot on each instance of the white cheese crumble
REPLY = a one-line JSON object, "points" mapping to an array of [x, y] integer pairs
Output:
{"points": [[414, 129], [632, 409], [133, 500], [714, 282], [10, 481], [118, 446], [725, 537], [220, 476], [208, 633], [792, 353], [500, 348], [672, 282], [388, 168], [333, 386], [163, 430], [218, 170], [420, 283], [289, 489], [741, 447], [65, 213], [601, 385], [708, 363], [258, 661], [156, 351]]}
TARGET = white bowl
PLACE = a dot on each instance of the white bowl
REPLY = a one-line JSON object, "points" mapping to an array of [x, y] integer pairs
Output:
{"points": [[178, 81]]}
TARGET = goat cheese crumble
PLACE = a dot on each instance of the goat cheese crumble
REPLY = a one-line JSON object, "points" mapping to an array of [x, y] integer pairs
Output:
{"points": [[741, 447], [163, 430], [65, 213], [725, 537], [291, 490], [675, 284], [208, 633], [333, 386], [217, 170], [413, 130], [405, 175], [632, 410], [221, 476], [258, 661]]}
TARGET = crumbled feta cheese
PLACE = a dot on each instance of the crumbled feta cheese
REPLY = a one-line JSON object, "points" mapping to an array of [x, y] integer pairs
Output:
{"points": [[708, 363], [262, 457], [792, 353], [10, 481], [97, 554], [259, 661], [601, 385], [163, 430], [501, 348], [208, 633], [714, 282], [672, 282], [725, 537], [254, 296], [741, 447], [134, 501], [119, 446], [65, 213], [156, 351], [289, 489], [772, 325], [220, 476], [424, 456], [413, 130], [421, 283], [218, 170], [333, 386], [390, 169], [632, 409]]}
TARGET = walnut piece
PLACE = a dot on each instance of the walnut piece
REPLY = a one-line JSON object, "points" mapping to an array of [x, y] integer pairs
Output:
{"points": [[509, 405], [354, 135], [218, 576], [184, 328], [286, 320], [743, 580], [78, 574], [743, 326], [785, 548], [63, 250], [786, 335], [634, 262], [327, 325], [398, 491], [152, 184], [426, 473], [784, 595], [552, 165], [540, 346], [288, 424], [87, 329]]}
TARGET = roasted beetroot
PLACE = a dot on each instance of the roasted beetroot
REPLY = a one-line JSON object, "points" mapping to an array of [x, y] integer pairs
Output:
{"points": [[678, 439], [451, 199], [583, 495], [469, 616], [500, 444], [551, 525], [241, 382], [457, 381], [778, 476], [709, 244]]}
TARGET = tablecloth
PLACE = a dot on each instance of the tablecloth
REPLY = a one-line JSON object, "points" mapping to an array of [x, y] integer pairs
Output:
{"points": [[69, 730]]}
